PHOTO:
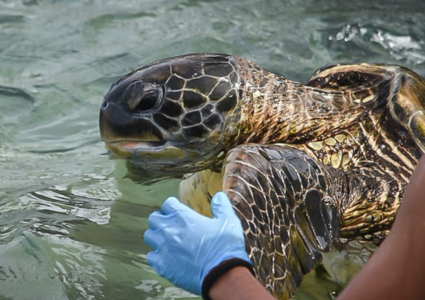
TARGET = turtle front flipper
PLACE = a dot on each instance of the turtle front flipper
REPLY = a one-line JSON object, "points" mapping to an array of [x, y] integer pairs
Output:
{"points": [[288, 205]]}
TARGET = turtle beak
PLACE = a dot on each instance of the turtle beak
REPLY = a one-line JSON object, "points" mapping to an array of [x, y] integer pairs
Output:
{"points": [[127, 109], [117, 124]]}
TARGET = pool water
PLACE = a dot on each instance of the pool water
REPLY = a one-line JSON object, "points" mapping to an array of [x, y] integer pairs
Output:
{"points": [[71, 222]]}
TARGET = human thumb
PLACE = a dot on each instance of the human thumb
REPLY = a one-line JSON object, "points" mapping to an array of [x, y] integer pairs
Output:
{"points": [[220, 204]]}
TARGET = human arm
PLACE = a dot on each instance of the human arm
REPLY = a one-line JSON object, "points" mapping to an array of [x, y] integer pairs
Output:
{"points": [[396, 270]]}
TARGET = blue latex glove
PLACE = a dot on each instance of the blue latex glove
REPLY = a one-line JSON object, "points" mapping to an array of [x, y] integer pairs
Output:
{"points": [[188, 245]]}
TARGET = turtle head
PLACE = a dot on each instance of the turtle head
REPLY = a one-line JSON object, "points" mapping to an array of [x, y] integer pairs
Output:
{"points": [[173, 116]]}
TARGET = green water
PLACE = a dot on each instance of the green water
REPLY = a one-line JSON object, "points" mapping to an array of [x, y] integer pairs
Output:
{"points": [[71, 223]]}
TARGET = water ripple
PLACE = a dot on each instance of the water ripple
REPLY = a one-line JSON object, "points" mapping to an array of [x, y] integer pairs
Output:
{"points": [[71, 224]]}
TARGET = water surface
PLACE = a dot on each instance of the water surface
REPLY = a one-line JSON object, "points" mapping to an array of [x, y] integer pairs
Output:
{"points": [[71, 223]]}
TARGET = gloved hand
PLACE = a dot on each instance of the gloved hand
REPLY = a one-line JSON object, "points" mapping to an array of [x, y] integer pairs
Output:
{"points": [[188, 245]]}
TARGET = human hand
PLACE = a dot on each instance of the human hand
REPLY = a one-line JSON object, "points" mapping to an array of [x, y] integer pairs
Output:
{"points": [[188, 246]]}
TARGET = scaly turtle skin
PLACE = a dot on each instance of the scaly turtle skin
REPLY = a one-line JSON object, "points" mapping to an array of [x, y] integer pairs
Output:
{"points": [[309, 168]]}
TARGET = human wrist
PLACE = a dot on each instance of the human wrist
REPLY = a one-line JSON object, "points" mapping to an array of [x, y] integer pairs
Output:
{"points": [[229, 281], [223, 270], [238, 283]]}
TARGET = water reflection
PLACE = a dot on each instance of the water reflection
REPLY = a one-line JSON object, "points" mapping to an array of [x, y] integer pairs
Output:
{"points": [[82, 240]]}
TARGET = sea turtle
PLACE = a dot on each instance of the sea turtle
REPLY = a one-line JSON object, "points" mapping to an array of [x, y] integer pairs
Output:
{"points": [[309, 168]]}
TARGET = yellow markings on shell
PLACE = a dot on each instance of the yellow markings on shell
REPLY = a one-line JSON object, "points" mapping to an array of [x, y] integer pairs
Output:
{"points": [[368, 98], [316, 145], [326, 160], [256, 94], [421, 127], [365, 99], [346, 157], [336, 160], [330, 142], [354, 133], [340, 138]]}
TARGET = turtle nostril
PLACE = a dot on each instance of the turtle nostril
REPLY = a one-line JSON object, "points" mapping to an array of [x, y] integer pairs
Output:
{"points": [[104, 105], [142, 97]]}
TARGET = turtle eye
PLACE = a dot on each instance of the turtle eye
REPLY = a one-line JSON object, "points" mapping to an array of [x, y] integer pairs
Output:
{"points": [[148, 101], [142, 97]]}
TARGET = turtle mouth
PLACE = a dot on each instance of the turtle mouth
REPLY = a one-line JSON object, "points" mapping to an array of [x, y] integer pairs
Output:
{"points": [[146, 151], [134, 145]]}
